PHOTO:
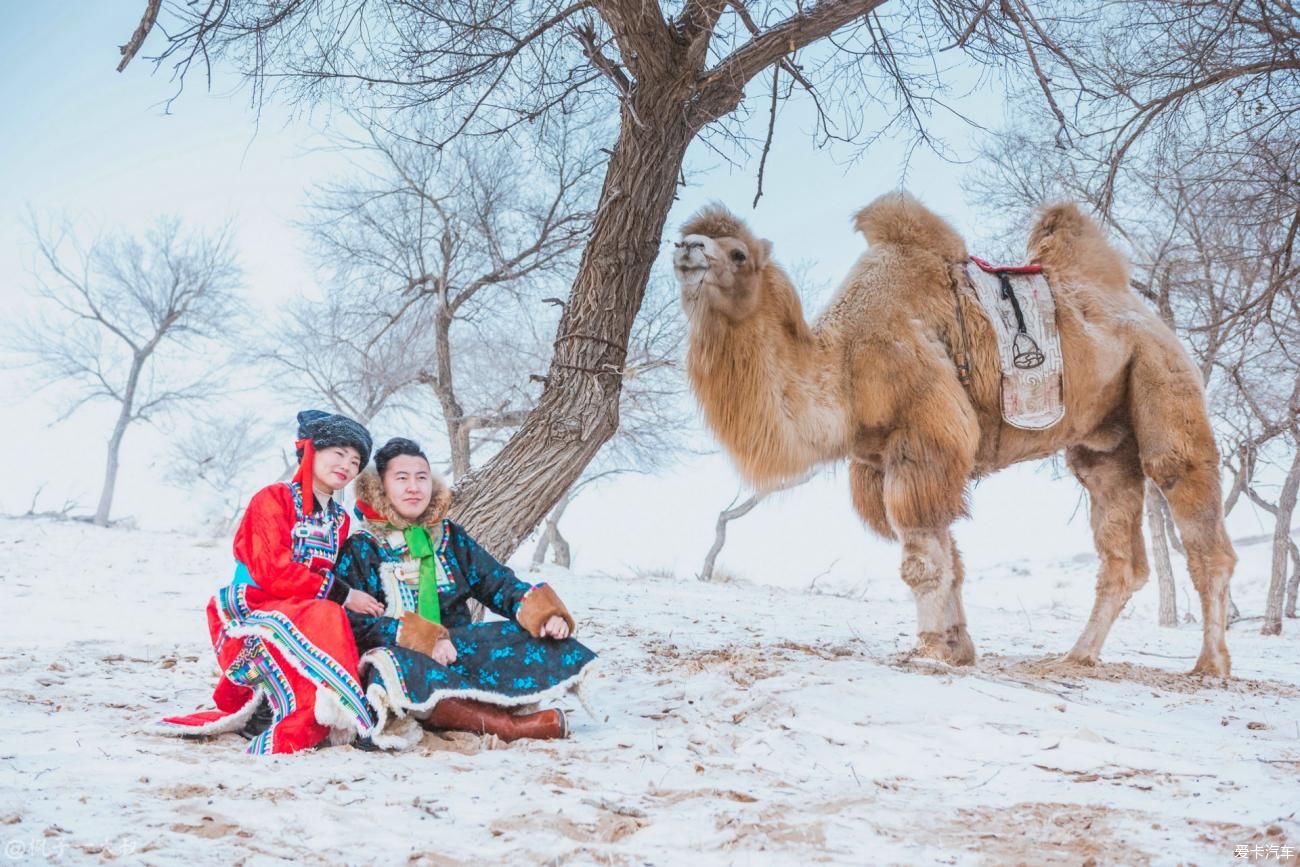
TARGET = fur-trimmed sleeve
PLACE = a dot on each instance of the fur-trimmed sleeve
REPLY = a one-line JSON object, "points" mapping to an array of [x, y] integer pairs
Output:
{"points": [[496, 586], [358, 565], [539, 605], [263, 544]]}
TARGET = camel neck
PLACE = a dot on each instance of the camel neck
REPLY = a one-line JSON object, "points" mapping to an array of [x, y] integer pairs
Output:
{"points": [[763, 386]]}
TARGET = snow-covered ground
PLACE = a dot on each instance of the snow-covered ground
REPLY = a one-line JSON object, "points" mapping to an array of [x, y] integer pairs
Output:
{"points": [[738, 724]]}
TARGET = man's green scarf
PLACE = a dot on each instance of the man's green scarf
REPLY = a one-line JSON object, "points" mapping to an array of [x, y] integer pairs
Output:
{"points": [[432, 573]]}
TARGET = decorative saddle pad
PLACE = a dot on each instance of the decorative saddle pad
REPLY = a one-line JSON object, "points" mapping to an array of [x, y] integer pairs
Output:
{"points": [[1019, 304]]}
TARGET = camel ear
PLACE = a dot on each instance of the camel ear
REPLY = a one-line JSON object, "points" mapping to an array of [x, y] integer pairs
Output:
{"points": [[764, 253]]}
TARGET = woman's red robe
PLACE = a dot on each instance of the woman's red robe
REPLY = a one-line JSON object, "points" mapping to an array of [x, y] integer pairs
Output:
{"points": [[280, 631]]}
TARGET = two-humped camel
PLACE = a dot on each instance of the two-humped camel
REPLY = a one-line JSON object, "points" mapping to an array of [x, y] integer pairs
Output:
{"points": [[874, 380]]}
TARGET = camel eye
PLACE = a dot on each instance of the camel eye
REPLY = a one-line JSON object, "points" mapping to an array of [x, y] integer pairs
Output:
{"points": [[738, 256]]}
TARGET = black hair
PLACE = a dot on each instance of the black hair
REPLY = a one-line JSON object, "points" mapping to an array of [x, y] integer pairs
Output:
{"points": [[395, 447]]}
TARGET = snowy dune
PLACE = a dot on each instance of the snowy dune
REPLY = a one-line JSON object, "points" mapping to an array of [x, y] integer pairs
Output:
{"points": [[738, 724]]}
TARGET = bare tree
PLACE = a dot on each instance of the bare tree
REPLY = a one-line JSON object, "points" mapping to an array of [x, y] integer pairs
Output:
{"points": [[326, 350], [111, 310], [1156, 524], [1284, 548], [654, 412], [669, 74], [551, 539], [1293, 586], [734, 511], [217, 453], [438, 262]]}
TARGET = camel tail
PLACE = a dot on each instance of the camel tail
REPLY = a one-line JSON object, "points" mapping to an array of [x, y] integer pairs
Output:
{"points": [[1071, 245], [898, 219]]}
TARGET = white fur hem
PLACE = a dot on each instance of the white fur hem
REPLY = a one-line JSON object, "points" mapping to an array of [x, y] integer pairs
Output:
{"points": [[331, 713], [332, 717], [394, 708], [392, 591], [230, 723]]}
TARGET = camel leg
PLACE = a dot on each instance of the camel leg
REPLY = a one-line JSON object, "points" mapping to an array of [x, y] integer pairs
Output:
{"points": [[1115, 491], [925, 465], [930, 570], [946, 637], [867, 486], [1178, 452], [922, 498], [958, 647], [955, 611]]}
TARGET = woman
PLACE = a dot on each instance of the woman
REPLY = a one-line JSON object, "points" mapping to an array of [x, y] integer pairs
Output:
{"points": [[424, 655], [281, 638]]}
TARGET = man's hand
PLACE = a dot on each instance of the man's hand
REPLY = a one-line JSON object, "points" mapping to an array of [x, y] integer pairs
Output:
{"points": [[555, 628], [363, 603], [444, 652]]}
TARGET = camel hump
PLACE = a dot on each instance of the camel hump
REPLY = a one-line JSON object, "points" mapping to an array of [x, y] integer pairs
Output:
{"points": [[899, 219], [1070, 243]]}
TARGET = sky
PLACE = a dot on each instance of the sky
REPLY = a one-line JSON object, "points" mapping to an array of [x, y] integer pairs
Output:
{"points": [[85, 143]]}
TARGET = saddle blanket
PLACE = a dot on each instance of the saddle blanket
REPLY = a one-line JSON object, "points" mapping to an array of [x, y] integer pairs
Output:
{"points": [[1020, 307]]}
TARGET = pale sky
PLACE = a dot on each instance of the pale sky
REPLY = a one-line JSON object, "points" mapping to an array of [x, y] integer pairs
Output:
{"points": [[83, 141]]}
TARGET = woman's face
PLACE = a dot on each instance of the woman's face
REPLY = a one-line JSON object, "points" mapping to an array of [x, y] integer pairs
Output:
{"points": [[335, 466], [408, 484]]}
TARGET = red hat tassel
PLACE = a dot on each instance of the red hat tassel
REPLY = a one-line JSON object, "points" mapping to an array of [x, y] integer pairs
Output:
{"points": [[305, 475]]}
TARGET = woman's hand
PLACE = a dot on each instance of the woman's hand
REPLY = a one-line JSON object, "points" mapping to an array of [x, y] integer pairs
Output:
{"points": [[444, 652], [555, 628], [363, 603]]}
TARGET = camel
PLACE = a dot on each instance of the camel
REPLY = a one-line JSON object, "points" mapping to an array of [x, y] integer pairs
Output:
{"points": [[873, 381]]}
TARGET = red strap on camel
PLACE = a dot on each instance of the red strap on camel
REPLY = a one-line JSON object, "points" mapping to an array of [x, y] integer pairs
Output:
{"points": [[1006, 269]]}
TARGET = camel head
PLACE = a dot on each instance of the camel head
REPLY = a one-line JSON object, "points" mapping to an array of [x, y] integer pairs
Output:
{"points": [[719, 265]]}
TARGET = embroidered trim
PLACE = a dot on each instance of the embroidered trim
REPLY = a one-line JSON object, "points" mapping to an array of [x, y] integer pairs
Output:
{"points": [[402, 595], [392, 703], [239, 621], [395, 592], [231, 722], [314, 536]]}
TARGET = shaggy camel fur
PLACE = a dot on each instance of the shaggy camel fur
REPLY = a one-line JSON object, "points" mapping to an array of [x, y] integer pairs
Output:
{"points": [[873, 380]]}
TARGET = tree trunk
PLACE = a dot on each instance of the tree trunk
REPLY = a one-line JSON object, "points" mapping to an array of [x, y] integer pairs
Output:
{"points": [[1281, 548], [119, 431], [563, 556], [503, 501], [458, 437], [1160, 555], [1171, 529], [444, 387], [110, 469], [1293, 585], [551, 537], [725, 517], [539, 553]]}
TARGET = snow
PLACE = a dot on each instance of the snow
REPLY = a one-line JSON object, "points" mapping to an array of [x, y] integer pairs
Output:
{"points": [[738, 724]]}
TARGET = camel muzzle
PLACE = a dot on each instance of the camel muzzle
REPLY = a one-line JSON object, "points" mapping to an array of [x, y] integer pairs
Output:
{"points": [[690, 257]]}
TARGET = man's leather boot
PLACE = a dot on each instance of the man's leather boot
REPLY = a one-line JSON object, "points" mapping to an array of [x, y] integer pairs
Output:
{"points": [[467, 715]]}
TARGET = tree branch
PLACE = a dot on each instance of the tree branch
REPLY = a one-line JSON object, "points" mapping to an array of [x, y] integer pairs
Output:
{"points": [[133, 44], [723, 86]]}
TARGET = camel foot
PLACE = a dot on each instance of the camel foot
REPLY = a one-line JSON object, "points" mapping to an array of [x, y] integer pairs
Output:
{"points": [[1213, 664], [953, 646]]}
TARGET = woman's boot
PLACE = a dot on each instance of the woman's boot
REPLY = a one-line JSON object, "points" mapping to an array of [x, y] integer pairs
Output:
{"points": [[467, 715]]}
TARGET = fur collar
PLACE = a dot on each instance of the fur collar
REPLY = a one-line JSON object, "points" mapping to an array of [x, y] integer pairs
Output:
{"points": [[370, 491]]}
